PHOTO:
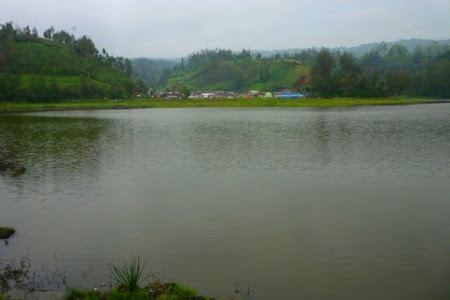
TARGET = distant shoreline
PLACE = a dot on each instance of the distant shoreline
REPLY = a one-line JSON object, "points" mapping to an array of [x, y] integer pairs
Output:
{"points": [[239, 102]]}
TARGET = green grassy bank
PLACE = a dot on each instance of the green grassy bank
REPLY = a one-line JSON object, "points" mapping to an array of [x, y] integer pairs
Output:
{"points": [[240, 102], [152, 291]]}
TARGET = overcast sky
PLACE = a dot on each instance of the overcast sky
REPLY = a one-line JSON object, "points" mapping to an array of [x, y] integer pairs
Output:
{"points": [[174, 28]]}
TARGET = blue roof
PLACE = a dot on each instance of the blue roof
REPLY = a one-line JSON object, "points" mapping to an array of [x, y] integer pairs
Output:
{"points": [[291, 96]]}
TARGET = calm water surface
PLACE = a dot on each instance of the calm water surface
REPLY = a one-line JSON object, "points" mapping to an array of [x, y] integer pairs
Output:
{"points": [[297, 203]]}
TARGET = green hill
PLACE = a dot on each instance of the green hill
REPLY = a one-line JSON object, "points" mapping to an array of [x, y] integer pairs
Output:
{"points": [[243, 74], [59, 67]]}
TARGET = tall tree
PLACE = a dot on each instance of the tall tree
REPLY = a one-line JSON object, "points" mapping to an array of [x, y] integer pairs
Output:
{"points": [[85, 46], [128, 68], [322, 81], [7, 44], [63, 37], [349, 73], [34, 33], [48, 34]]}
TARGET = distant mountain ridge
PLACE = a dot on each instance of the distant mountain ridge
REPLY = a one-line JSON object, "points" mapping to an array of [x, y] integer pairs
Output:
{"points": [[410, 44], [360, 50]]}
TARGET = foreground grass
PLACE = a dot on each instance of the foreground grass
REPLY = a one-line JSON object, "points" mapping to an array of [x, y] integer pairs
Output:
{"points": [[162, 103], [153, 291]]}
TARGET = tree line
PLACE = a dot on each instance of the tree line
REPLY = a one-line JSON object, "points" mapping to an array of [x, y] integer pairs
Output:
{"points": [[205, 57], [383, 72]]}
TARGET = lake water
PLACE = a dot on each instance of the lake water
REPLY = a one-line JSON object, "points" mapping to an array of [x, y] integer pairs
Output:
{"points": [[295, 203]]}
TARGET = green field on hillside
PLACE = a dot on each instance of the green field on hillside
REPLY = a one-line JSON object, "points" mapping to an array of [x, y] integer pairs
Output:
{"points": [[242, 74], [59, 63], [34, 69]]}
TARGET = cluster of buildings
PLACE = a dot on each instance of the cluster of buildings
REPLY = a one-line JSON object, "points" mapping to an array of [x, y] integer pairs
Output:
{"points": [[285, 94]]}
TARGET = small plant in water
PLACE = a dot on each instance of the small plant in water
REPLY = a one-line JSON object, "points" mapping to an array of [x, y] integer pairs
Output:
{"points": [[128, 275], [18, 279], [6, 232]]}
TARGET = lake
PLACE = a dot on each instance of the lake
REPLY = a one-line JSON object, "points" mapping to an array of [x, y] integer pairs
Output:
{"points": [[293, 203]]}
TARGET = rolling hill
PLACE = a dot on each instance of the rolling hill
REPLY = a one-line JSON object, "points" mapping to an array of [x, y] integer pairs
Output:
{"points": [[243, 74], [49, 69]]}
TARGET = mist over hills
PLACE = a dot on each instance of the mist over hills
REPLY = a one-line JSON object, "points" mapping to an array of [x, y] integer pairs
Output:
{"points": [[360, 50]]}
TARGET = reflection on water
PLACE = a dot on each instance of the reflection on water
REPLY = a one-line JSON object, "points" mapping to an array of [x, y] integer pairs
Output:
{"points": [[9, 166], [343, 203], [55, 151]]}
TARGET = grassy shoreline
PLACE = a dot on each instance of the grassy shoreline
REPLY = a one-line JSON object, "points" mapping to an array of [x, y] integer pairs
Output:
{"points": [[19, 281], [96, 104]]}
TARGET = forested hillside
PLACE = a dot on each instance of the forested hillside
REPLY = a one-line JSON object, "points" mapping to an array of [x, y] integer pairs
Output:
{"points": [[59, 66], [384, 71], [220, 69], [150, 70]]}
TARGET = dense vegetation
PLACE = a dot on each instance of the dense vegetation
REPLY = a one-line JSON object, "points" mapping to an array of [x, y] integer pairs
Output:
{"points": [[59, 66], [383, 72]]}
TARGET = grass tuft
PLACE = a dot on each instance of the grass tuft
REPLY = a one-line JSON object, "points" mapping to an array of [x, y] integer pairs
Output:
{"points": [[129, 275]]}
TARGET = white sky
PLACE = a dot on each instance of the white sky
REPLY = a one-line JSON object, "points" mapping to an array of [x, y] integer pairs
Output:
{"points": [[174, 28]]}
